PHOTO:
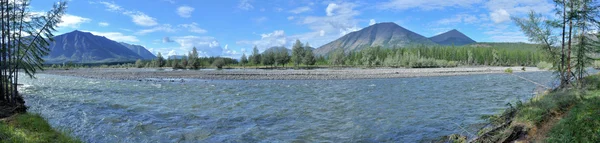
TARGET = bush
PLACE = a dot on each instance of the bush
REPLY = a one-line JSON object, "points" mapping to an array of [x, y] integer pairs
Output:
{"points": [[544, 65], [219, 63], [596, 64], [508, 70]]}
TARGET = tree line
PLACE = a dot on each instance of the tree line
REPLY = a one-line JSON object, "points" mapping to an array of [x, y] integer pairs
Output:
{"points": [[191, 61], [302, 54], [440, 56]]}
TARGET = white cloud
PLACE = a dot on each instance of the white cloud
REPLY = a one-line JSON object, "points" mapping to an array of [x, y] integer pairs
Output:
{"points": [[499, 16], [112, 6], [426, 4], [245, 5], [459, 18], [72, 21], [137, 17], [193, 28], [163, 28], [300, 10], [185, 11], [103, 24], [142, 19], [290, 17], [206, 46], [321, 33], [116, 36], [339, 21], [372, 22], [275, 38]]}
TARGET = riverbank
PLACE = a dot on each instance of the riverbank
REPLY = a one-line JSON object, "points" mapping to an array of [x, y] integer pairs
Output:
{"points": [[30, 128], [571, 115], [260, 74]]}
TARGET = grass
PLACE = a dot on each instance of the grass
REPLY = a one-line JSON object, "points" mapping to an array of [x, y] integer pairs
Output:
{"points": [[571, 115], [30, 128]]}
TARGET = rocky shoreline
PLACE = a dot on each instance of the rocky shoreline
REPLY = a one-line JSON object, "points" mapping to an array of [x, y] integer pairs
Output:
{"points": [[259, 74]]}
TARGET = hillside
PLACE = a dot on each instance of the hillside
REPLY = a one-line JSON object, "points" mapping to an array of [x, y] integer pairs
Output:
{"points": [[386, 34], [84, 47], [140, 50], [452, 37]]}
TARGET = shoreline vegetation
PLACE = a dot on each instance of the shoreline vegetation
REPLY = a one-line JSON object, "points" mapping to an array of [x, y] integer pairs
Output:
{"points": [[31, 128], [149, 74], [561, 115]]}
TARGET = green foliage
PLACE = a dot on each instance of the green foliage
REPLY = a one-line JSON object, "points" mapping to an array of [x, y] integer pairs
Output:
{"points": [[193, 59], [31, 129], [581, 124], [309, 57], [256, 57], [297, 53], [508, 70], [139, 63], [159, 61], [544, 65], [337, 57], [243, 60], [596, 64], [219, 63], [25, 40]]}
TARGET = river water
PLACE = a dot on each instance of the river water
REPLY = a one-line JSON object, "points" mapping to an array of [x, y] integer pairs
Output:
{"points": [[365, 110]]}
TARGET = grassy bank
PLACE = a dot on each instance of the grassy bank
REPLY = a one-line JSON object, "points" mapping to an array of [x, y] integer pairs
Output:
{"points": [[29, 128], [571, 115]]}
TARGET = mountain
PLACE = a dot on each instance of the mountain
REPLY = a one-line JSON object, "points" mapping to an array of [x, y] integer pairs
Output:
{"points": [[84, 47], [140, 50], [385, 34], [452, 37]]}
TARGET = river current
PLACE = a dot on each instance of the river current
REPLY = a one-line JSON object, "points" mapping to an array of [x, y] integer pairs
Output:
{"points": [[364, 110]]}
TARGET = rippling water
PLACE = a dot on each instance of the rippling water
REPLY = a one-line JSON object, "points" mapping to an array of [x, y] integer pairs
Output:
{"points": [[367, 110]]}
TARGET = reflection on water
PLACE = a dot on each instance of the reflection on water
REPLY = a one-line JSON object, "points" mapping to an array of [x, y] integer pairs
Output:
{"points": [[367, 110]]}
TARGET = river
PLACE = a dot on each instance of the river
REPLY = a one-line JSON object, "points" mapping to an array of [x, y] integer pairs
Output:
{"points": [[365, 110]]}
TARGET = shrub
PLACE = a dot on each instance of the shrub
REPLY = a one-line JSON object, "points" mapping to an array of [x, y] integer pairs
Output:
{"points": [[544, 65], [219, 63], [508, 70]]}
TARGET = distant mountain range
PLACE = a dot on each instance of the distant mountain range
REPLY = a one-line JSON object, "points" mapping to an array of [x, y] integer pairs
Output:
{"points": [[452, 37], [84, 47], [389, 35]]}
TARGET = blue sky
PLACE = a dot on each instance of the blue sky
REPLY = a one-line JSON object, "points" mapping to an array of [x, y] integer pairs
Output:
{"points": [[231, 27]]}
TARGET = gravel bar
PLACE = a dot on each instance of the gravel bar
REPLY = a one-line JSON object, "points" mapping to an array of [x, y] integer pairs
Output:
{"points": [[260, 74]]}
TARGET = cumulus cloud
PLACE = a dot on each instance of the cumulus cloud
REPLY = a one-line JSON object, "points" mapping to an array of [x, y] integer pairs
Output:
{"points": [[103, 24], [425, 4], [116, 36], [185, 11], [72, 21], [372, 22], [193, 28], [245, 5], [499, 16], [163, 28], [300, 10]]}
